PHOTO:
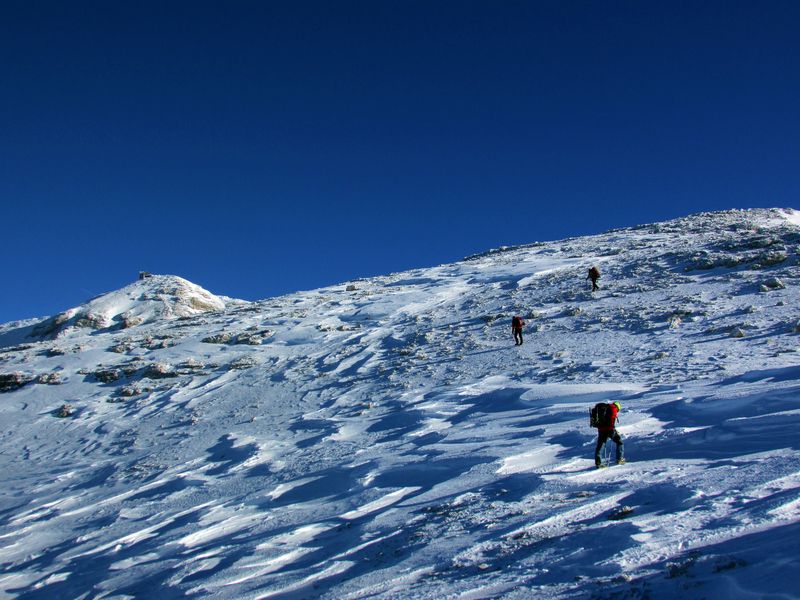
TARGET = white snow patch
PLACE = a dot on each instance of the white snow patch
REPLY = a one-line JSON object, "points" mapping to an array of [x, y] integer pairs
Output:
{"points": [[529, 462], [380, 503]]}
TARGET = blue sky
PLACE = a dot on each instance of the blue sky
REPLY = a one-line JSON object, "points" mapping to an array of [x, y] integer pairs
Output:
{"points": [[259, 148]]}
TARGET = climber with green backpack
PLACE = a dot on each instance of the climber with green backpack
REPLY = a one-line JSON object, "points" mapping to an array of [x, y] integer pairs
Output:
{"points": [[604, 417]]}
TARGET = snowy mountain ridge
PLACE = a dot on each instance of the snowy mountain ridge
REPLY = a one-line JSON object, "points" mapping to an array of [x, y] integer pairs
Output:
{"points": [[149, 299], [384, 438]]}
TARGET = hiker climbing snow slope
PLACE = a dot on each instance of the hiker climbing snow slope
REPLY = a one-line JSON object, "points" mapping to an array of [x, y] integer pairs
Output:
{"points": [[604, 417]]}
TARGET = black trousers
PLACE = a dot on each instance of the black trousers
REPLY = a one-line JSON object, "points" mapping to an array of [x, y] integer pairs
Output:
{"points": [[602, 437], [518, 336]]}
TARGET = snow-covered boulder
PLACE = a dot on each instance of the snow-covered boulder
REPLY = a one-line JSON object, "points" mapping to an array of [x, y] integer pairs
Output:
{"points": [[773, 283]]}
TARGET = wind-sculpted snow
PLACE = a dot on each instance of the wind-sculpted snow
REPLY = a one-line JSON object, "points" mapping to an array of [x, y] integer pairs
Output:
{"points": [[391, 441]]}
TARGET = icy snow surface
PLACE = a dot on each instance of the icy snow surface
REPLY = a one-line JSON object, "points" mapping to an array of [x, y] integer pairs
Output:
{"points": [[391, 441]]}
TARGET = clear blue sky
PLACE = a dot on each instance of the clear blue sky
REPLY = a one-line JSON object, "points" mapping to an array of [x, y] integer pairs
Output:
{"points": [[258, 148]]}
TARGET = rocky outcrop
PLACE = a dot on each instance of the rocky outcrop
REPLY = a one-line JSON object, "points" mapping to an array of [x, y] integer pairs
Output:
{"points": [[773, 283], [64, 411], [13, 381], [49, 379]]}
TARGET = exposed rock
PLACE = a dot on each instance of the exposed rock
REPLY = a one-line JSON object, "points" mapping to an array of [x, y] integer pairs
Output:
{"points": [[158, 343], [107, 375], [252, 340], [91, 321], [159, 371], [129, 391], [254, 337], [770, 259], [49, 379], [12, 381], [773, 283], [743, 244], [245, 362], [203, 305], [191, 364], [129, 321], [219, 338], [621, 513], [488, 319], [53, 325], [131, 368], [122, 347], [704, 261], [64, 411], [19, 348]]}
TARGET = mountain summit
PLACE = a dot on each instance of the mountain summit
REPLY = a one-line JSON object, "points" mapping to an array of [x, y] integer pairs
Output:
{"points": [[385, 438], [151, 298]]}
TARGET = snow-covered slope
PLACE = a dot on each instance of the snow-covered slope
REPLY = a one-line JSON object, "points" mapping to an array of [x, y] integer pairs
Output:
{"points": [[391, 441]]}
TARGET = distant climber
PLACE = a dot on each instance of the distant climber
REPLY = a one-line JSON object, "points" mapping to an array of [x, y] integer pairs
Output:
{"points": [[604, 417], [516, 328], [594, 275]]}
